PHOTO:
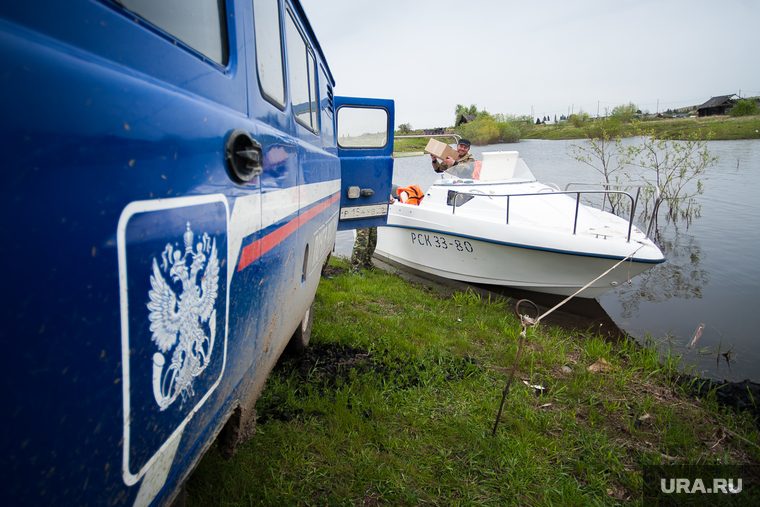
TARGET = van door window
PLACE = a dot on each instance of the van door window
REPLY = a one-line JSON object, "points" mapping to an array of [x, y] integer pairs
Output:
{"points": [[361, 127], [201, 24], [266, 20], [301, 77]]}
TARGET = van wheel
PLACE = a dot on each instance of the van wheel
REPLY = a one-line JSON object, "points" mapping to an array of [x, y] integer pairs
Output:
{"points": [[300, 339]]}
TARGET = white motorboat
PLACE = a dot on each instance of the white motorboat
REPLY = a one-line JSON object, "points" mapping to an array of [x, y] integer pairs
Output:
{"points": [[505, 228]]}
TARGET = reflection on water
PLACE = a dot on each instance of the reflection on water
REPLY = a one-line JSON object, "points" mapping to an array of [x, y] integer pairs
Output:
{"points": [[680, 277], [710, 277]]}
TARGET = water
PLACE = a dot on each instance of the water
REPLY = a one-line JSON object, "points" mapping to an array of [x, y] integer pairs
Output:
{"points": [[711, 276]]}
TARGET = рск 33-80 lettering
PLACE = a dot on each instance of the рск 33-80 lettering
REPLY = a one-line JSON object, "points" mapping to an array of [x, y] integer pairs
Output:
{"points": [[441, 242]]}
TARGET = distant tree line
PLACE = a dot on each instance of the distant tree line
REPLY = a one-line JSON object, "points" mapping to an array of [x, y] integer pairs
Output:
{"points": [[482, 127]]}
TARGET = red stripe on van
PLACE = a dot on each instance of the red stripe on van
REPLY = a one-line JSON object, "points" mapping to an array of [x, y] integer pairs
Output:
{"points": [[261, 246]]}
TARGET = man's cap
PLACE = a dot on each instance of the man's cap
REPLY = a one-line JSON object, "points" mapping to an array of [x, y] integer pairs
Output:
{"points": [[464, 142]]}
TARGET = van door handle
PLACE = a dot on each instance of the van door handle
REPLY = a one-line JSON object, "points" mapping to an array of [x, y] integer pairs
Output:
{"points": [[251, 156], [243, 155]]}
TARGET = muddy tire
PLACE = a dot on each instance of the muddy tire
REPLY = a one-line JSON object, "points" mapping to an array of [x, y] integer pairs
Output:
{"points": [[300, 339]]}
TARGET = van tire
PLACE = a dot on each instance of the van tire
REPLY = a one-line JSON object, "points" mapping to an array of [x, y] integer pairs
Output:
{"points": [[300, 339]]}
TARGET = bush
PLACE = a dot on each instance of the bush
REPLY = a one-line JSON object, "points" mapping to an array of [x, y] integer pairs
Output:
{"points": [[509, 133], [404, 128], [577, 120], [609, 126], [487, 129], [483, 130], [625, 113], [745, 108]]}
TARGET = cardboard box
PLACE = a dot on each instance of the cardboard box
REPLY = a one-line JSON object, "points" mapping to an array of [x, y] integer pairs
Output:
{"points": [[440, 150]]}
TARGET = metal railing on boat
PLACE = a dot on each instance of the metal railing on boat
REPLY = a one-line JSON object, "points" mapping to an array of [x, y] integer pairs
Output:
{"points": [[454, 195]]}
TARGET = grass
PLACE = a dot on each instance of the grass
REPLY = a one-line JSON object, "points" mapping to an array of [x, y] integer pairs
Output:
{"points": [[716, 127], [412, 144], [396, 401]]}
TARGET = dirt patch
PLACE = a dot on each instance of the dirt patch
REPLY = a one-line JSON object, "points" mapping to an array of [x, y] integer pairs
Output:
{"points": [[332, 271], [328, 366]]}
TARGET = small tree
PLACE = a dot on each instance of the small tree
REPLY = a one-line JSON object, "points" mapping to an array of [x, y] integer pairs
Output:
{"points": [[626, 112], [508, 133], [747, 107], [602, 155], [405, 128], [511, 127], [577, 120], [676, 167], [483, 130]]}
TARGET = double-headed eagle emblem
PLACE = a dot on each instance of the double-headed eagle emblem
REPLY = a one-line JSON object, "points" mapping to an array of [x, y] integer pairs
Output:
{"points": [[181, 322]]}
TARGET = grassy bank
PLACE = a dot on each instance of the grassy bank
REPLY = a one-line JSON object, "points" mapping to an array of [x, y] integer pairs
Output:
{"points": [[395, 402], [716, 127], [412, 144]]}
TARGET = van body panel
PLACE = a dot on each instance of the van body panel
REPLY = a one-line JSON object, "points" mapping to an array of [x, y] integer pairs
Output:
{"points": [[151, 290]]}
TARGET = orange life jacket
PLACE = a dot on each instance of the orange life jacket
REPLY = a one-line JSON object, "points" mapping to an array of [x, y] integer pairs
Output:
{"points": [[476, 172], [414, 193]]}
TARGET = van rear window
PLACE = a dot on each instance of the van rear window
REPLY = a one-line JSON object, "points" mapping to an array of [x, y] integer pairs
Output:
{"points": [[302, 68], [201, 24]]}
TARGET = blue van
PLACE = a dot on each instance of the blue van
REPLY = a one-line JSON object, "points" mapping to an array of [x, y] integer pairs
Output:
{"points": [[175, 175]]}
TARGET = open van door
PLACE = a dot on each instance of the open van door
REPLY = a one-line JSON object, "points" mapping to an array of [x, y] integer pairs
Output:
{"points": [[365, 148]]}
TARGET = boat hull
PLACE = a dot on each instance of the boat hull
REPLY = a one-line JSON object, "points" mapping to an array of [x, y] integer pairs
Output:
{"points": [[473, 260]]}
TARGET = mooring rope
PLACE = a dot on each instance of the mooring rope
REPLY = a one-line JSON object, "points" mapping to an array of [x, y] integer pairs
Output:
{"points": [[526, 322], [591, 283]]}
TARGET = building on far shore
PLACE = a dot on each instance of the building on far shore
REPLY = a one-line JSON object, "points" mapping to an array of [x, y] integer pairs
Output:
{"points": [[717, 106], [466, 118]]}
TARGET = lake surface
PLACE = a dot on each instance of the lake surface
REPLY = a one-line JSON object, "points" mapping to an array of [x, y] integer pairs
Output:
{"points": [[711, 276]]}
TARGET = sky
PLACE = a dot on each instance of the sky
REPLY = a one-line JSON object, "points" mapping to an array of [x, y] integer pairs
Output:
{"points": [[545, 57]]}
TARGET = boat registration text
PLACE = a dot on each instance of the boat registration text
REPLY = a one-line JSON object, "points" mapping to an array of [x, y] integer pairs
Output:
{"points": [[434, 241]]}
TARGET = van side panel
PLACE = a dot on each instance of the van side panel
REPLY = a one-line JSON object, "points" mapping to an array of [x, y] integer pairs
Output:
{"points": [[91, 130], [151, 289]]}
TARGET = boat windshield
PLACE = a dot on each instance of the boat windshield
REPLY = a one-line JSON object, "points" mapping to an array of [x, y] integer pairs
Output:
{"points": [[522, 172]]}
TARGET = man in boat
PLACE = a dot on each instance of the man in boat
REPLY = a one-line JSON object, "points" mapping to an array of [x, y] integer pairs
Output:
{"points": [[452, 166]]}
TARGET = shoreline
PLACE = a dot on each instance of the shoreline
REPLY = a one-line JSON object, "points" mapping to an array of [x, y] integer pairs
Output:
{"points": [[712, 128], [583, 315]]}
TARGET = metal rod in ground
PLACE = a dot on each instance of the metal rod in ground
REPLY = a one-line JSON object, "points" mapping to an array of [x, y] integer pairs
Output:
{"points": [[506, 388]]}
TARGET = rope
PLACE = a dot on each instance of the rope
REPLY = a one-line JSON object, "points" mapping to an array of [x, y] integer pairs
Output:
{"points": [[592, 282], [526, 322]]}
